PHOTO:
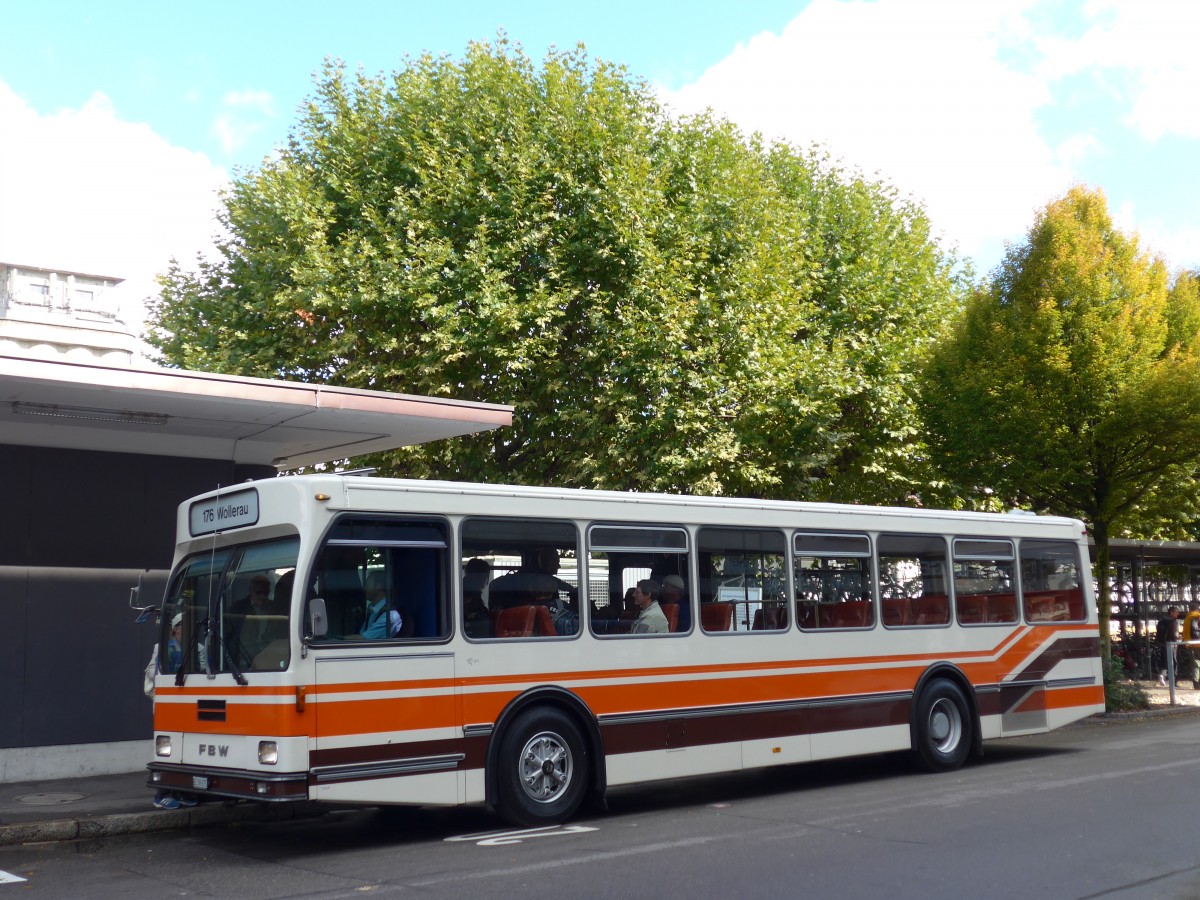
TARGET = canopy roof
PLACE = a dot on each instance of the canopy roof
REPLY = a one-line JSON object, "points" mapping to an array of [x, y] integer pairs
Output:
{"points": [[169, 412]]}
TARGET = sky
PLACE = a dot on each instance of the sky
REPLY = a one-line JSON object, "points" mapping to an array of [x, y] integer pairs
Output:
{"points": [[121, 121]]}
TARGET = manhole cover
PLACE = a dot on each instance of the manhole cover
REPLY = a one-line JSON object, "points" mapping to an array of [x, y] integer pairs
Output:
{"points": [[49, 799]]}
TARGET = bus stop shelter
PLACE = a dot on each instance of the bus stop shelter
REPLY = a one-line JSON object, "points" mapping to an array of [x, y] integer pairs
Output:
{"points": [[96, 458], [1147, 578]]}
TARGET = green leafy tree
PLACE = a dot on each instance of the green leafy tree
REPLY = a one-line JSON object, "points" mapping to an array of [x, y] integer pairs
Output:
{"points": [[1071, 382], [667, 304]]}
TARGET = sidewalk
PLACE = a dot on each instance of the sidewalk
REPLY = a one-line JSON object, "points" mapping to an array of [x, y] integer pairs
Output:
{"points": [[1160, 695], [106, 805]]}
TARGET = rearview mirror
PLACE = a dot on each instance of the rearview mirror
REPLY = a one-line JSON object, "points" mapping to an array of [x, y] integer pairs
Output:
{"points": [[144, 613], [318, 621]]}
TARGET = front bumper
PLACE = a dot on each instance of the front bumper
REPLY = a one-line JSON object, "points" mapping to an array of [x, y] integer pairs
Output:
{"points": [[238, 784]]}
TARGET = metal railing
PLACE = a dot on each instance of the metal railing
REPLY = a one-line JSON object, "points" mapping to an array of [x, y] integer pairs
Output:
{"points": [[1172, 646]]}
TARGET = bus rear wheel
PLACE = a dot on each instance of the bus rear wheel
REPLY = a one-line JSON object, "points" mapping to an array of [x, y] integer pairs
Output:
{"points": [[542, 768], [943, 727]]}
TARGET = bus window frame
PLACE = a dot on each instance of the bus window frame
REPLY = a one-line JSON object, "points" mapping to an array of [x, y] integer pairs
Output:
{"points": [[872, 570], [785, 542], [687, 551], [946, 539], [573, 525], [447, 592], [1011, 558]]}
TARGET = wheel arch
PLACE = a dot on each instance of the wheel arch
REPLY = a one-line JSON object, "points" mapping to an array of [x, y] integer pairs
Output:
{"points": [[564, 701], [956, 676]]}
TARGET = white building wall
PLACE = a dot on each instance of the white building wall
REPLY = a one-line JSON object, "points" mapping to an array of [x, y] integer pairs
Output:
{"points": [[48, 314]]}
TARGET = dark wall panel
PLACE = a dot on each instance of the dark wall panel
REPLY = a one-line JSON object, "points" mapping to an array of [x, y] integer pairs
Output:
{"points": [[14, 522], [14, 587], [82, 656], [83, 525], [82, 509], [85, 509]]}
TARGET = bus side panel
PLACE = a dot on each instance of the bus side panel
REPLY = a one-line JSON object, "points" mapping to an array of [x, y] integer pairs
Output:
{"points": [[386, 727], [1055, 679]]}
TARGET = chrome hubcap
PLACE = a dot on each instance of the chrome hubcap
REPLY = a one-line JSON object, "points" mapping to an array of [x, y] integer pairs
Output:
{"points": [[945, 726], [546, 767]]}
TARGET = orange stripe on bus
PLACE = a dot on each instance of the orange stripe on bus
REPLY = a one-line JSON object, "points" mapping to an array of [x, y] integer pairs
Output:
{"points": [[1068, 698], [249, 718]]}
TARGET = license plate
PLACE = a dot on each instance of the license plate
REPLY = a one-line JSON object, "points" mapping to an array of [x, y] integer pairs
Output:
{"points": [[200, 782]]}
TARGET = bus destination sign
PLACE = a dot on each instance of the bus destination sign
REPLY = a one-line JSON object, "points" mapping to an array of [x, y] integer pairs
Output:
{"points": [[236, 510]]}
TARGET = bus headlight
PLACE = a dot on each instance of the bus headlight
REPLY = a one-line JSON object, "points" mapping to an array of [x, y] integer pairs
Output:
{"points": [[162, 745], [268, 753]]}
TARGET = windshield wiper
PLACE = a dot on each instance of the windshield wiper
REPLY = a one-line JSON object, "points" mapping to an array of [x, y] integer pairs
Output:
{"points": [[233, 666], [181, 675]]}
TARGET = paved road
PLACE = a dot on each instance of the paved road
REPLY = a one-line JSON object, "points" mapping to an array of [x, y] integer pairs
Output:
{"points": [[1103, 809]]}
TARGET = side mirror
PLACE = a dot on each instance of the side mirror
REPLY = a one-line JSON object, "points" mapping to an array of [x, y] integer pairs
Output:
{"points": [[143, 612], [318, 621]]}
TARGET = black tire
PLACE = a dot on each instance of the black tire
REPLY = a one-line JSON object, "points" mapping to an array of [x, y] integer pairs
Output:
{"points": [[542, 768], [944, 727]]}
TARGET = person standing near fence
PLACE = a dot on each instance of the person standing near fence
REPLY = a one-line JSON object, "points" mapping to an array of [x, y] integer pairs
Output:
{"points": [[1167, 634]]}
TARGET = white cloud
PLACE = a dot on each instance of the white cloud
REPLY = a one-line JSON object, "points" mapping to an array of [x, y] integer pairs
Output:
{"points": [[1147, 48], [83, 190], [949, 101], [912, 91], [1177, 245], [243, 115]]}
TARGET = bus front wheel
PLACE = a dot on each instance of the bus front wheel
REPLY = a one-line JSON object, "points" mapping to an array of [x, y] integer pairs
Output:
{"points": [[542, 768], [943, 727]]}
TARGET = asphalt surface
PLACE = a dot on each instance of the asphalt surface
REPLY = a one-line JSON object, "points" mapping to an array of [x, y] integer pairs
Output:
{"points": [[103, 805]]}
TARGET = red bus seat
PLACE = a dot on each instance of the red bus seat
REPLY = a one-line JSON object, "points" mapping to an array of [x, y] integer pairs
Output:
{"points": [[897, 611], [545, 622], [517, 621], [716, 616], [1002, 608], [671, 611], [851, 614], [932, 609], [770, 618], [972, 609]]}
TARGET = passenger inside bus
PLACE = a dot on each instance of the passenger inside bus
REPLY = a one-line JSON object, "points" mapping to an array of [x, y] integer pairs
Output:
{"points": [[651, 619], [476, 621], [256, 622], [381, 620], [674, 593]]}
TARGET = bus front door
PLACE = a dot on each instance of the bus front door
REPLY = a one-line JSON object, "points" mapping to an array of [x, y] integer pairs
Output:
{"points": [[385, 727]]}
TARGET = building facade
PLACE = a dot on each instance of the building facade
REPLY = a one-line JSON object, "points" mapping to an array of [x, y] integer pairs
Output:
{"points": [[73, 315]]}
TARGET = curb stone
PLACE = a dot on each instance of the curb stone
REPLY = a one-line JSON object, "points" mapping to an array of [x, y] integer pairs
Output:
{"points": [[116, 824]]}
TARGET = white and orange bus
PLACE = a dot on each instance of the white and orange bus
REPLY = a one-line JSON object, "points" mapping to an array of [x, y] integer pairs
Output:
{"points": [[355, 639]]}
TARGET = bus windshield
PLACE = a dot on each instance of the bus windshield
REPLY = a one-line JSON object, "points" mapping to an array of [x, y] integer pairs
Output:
{"points": [[228, 610]]}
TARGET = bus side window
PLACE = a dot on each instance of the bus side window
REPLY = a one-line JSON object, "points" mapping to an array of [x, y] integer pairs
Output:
{"points": [[984, 581], [744, 579], [833, 580], [912, 578], [619, 556], [384, 579], [520, 578], [1050, 584]]}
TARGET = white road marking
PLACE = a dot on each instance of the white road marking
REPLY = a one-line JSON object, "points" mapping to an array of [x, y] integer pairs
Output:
{"points": [[503, 838], [9, 877]]}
